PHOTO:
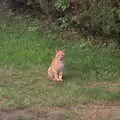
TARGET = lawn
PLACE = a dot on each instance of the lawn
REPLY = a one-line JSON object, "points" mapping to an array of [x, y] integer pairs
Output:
{"points": [[92, 73]]}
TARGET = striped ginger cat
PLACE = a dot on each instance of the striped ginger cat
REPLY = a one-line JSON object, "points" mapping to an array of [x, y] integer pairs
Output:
{"points": [[56, 69]]}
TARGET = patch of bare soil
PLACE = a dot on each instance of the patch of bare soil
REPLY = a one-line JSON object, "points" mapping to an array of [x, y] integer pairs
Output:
{"points": [[106, 84], [82, 112], [98, 112], [111, 86]]}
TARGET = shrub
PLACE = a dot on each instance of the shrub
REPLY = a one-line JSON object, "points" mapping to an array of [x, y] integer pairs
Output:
{"points": [[94, 17]]}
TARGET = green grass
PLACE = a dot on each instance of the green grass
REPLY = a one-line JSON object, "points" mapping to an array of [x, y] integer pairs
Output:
{"points": [[26, 50]]}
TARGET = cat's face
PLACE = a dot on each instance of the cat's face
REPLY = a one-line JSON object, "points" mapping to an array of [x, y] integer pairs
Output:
{"points": [[60, 54]]}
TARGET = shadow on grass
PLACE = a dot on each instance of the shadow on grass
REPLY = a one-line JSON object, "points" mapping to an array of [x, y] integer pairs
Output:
{"points": [[73, 75]]}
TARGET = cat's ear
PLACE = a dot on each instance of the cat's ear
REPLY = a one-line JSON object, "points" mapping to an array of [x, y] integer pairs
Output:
{"points": [[58, 50]]}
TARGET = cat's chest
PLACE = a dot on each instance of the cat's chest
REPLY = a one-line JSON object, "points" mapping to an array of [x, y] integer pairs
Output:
{"points": [[59, 64]]}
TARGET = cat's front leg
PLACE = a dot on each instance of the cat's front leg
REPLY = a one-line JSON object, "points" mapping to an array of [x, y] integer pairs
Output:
{"points": [[56, 77], [61, 76]]}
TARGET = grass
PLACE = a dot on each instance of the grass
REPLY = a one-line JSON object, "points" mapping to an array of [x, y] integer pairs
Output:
{"points": [[26, 50]]}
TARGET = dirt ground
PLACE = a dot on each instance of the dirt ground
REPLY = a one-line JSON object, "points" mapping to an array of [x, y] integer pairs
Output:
{"points": [[82, 112]]}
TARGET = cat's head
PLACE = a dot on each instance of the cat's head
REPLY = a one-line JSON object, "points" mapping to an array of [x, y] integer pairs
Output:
{"points": [[60, 54]]}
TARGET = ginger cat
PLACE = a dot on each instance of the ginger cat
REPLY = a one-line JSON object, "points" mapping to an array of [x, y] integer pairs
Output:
{"points": [[56, 69]]}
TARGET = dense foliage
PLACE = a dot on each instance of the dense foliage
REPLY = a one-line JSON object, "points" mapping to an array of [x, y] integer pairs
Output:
{"points": [[89, 17]]}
